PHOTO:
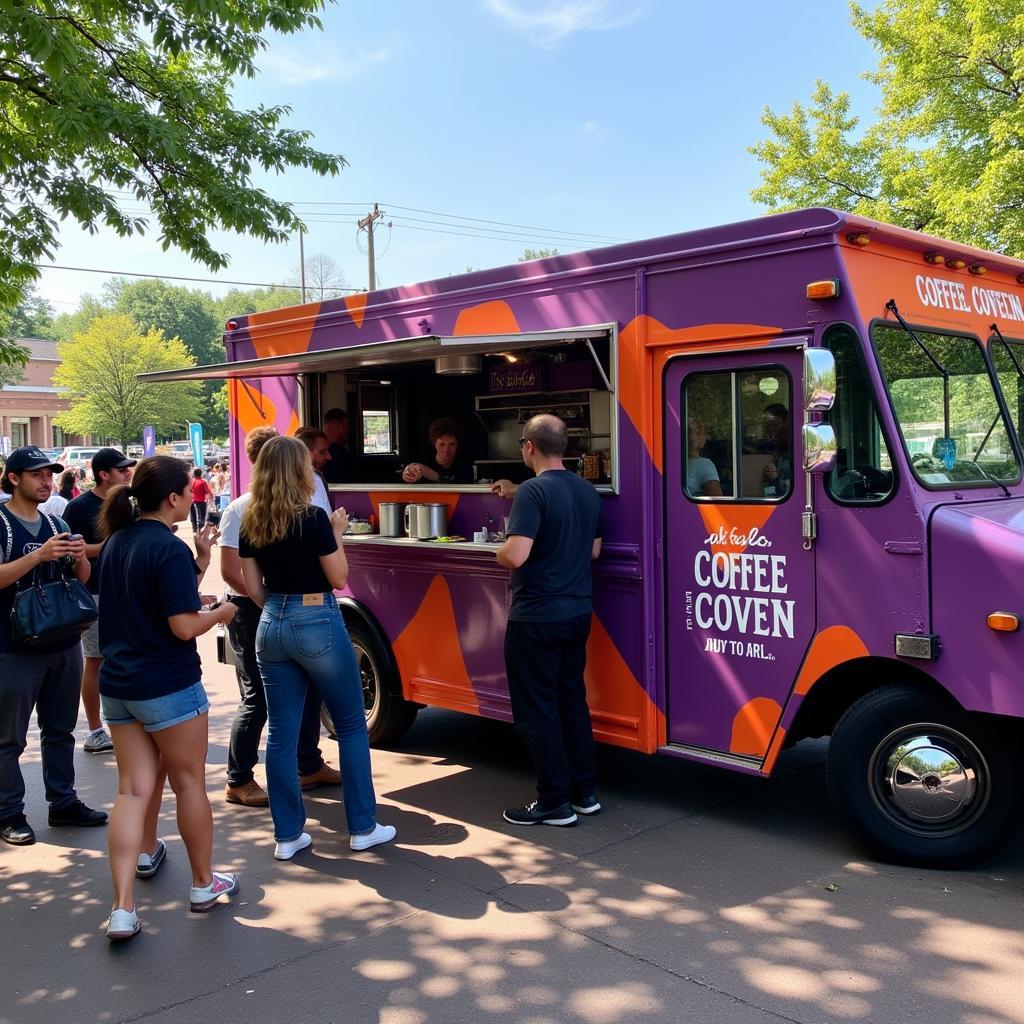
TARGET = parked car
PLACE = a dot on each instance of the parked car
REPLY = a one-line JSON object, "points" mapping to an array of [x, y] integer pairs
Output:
{"points": [[75, 457], [135, 451]]}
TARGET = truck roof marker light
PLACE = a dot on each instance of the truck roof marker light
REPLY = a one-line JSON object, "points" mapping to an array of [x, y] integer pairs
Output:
{"points": [[978, 269], [1020, 279], [955, 263], [823, 289], [1003, 622], [935, 258], [231, 325], [861, 238]]}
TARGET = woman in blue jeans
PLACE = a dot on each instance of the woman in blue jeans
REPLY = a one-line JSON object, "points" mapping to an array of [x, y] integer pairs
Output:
{"points": [[292, 561]]}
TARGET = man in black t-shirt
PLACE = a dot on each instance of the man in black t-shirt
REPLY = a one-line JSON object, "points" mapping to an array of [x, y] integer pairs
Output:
{"points": [[340, 469], [46, 681], [109, 468], [554, 533]]}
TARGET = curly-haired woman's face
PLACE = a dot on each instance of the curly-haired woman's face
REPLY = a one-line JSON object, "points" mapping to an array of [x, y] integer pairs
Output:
{"points": [[445, 448]]}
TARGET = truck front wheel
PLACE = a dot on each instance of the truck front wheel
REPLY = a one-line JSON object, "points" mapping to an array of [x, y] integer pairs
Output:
{"points": [[921, 781], [387, 716]]}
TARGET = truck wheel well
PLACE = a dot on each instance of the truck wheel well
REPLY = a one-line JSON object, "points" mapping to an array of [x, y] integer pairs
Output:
{"points": [[841, 686], [355, 613]]}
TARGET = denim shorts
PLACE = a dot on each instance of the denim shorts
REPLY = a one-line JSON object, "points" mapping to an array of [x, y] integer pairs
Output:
{"points": [[158, 712], [91, 637]]}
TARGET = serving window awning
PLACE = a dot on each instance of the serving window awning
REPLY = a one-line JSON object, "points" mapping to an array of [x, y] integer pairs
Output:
{"points": [[404, 350]]}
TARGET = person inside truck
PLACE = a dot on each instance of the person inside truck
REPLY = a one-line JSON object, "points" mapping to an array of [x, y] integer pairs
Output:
{"points": [[445, 466], [777, 472], [701, 474]]}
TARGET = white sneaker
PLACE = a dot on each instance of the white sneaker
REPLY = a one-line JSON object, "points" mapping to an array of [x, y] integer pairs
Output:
{"points": [[98, 742], [206, 897], [123, 924], [380, 834], [287, 849]]}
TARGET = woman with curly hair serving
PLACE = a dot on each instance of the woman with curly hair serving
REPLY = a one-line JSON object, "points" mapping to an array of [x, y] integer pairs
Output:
{"points": [[292, 561]]}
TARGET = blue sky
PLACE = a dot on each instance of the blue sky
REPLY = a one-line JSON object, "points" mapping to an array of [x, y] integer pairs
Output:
{"points": [[602, 118]]}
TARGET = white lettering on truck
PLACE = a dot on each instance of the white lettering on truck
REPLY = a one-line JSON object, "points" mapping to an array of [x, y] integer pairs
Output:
{"points": [[943, 294]]}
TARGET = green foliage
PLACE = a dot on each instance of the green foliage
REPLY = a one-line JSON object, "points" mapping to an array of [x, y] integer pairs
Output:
{"points": [[536, 254], [31, 318], [98, 97], [946, 153], [99, 371], [184, 313], [255, 300]]}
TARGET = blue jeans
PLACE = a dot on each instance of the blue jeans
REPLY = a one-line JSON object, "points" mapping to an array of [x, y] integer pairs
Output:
{"points": [[298, 646]]}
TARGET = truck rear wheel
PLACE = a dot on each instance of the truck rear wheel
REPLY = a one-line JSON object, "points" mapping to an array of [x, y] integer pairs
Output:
{"points": [[921, 781], [387, 716]]}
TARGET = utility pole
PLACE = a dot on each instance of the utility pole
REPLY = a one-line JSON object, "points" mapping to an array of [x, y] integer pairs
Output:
{"points": [[302, 265], [367, 222]]}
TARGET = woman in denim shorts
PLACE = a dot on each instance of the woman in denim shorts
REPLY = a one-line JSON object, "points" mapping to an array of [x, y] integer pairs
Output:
{"points": [[292, 561], [151, 682]]}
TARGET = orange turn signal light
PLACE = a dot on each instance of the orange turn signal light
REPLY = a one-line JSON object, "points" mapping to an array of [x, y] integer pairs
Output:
{"points": [[823, 289], [934, 258], [978, 269], [955, 263], [1003, 622], [859, 238]]}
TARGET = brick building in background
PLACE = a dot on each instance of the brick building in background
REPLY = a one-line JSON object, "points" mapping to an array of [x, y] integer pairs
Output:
{"points": [[28, 408]]}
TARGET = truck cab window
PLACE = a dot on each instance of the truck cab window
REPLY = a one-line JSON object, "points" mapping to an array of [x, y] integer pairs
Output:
{"points": [[863, 473], [738, 435]]}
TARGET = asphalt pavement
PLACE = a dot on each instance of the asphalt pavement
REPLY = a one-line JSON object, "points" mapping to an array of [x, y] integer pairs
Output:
{"points": [[696, 895]]}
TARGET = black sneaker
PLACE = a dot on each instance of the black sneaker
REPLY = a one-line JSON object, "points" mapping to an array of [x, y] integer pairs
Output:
{"points": [[76, 814], [588, 804], [534, 814], [17, 831]]}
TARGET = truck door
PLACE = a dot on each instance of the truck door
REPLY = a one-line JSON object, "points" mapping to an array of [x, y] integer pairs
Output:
{"points": [[740, 595]]}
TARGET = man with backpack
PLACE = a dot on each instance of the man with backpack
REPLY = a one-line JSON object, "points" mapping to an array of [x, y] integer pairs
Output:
{"points": [[32, 547]]}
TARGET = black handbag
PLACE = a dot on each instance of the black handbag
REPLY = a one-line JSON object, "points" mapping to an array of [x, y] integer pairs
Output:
{"points": [[48, 613]]}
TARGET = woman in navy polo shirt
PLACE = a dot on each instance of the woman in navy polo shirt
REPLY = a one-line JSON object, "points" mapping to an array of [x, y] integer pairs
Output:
{"points": [[151, 682], [292, 561]]}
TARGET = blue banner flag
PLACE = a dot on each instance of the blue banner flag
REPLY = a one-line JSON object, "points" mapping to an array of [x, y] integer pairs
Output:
{"points": [[148, 441], [195, 436]]}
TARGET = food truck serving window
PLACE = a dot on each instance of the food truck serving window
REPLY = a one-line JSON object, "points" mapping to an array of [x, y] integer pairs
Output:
{"points": [[946, 407], [738, 435]]}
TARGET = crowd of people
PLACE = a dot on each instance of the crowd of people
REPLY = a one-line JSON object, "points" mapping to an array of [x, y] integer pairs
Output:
{"points": [[138, 670]]}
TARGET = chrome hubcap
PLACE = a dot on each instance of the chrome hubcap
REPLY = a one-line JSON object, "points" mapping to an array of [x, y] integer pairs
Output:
{"points": [[929, 779]]}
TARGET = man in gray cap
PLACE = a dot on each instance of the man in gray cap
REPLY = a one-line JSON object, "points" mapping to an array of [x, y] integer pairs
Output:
{"points": [[31, 547], [109, 468]]}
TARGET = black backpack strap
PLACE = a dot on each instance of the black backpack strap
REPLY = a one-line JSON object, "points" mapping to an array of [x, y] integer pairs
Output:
{"points": [[9, 531]]}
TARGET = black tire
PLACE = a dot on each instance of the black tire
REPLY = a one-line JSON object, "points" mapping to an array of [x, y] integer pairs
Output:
{"points": [[387, 716], [919, 780]]}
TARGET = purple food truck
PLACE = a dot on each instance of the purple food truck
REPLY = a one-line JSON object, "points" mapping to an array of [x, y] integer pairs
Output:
{"points": [[806, 432]]}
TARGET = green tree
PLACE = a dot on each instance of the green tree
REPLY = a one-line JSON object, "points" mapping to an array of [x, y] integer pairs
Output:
{"points": [[946, 153], [102, 99], [537, 254], [99, 370], [31, 318], [185, 313], [67, 325]]}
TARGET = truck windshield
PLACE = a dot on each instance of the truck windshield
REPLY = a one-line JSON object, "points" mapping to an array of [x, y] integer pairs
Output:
{"points": [[974, 446]]}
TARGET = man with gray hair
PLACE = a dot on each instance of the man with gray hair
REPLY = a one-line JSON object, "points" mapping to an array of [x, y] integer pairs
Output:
{"points": [[553, 534]]}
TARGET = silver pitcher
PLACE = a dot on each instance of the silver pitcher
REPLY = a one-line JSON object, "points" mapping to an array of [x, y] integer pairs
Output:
{"points": [[392, 519], [410, 520], [431, 520]]}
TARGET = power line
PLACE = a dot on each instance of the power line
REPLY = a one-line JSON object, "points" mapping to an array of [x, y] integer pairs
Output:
{"points": [[176, 277]]}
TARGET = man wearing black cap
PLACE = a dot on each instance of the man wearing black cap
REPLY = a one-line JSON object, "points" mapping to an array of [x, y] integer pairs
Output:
{"points": [[31, 547], [109, 467]]}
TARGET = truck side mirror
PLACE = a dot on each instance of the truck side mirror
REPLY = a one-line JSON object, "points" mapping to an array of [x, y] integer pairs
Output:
{"points": [[819, 444], [819, 379]]}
